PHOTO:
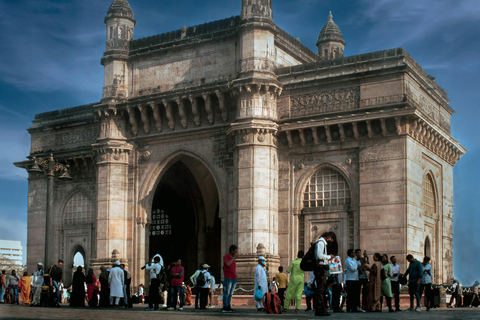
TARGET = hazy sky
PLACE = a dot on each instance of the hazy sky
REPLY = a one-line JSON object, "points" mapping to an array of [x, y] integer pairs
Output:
{"points": [[50, 59]]}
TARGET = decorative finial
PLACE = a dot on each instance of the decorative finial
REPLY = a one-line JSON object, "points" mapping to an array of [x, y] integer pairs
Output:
{"points": [[330, 17]]}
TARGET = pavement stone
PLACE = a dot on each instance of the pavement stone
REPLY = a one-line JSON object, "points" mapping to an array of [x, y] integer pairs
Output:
{"points": [[189, 313]]}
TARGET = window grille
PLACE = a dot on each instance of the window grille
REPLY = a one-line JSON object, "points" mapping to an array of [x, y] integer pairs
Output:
{"points": [[326, 188], [79, 209]]}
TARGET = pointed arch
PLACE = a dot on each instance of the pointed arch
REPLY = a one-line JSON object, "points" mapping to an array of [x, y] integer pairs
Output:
{"points": [[429, 195]]}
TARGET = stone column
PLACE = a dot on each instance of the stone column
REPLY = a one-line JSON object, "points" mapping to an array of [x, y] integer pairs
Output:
{"points": [[256, 196], [112, 155]]}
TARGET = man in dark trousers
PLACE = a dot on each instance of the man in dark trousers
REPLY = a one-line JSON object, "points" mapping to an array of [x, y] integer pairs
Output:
{"points": [[415, 272], [320, 271], [55, 273], [154, 293]]}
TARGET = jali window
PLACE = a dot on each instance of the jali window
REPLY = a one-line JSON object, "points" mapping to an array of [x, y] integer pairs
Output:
{"points": [[326, 188], [79, 209]]}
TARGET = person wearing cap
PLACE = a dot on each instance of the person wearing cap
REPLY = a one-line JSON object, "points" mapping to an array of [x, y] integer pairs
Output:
{"points": [[116, 279], [154, 291], [204, 289], [260, 281], [37, 283]]}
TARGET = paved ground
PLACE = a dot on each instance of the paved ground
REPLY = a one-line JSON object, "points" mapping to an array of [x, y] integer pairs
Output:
{"points": [[138, 313]]}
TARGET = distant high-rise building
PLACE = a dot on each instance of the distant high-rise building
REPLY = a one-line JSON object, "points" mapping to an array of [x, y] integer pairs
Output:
{"points": [[11, 249]]}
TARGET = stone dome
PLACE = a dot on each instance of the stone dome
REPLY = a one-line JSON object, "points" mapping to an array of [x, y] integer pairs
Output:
{"points": [[120, 9], [330, 32]]}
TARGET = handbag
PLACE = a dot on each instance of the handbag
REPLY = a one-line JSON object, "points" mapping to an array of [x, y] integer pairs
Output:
{"points": [[258, 295], [402, 280], [383, 274]]}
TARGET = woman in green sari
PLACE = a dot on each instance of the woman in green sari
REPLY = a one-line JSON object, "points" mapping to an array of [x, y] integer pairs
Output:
{"points": [[386, 284], [295, 286]]}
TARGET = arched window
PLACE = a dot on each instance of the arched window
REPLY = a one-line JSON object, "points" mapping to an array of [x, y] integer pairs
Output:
{"points": [[427, 248], [326, 188], [428, 198], [79, 209]]}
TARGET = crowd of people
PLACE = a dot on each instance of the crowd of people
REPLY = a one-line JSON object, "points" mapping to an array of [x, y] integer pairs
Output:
{"points": [[361, 284]]}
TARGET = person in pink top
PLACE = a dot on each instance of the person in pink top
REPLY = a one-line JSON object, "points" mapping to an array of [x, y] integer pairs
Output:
{"points": [[176, 286], [229, 277]]}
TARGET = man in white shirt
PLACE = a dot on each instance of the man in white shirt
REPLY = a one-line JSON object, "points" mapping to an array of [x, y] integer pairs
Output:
{"points": [[394, 282], [426, 283], [154, 291], [116, 279], [320, 271], [37, 283], [204, 287], [351, 279]]}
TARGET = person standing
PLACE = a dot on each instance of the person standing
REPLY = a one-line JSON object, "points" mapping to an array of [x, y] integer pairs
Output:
{"points": [[193, 280], [375, 284], [394, 282], [77, 299], [116, 279], [3, 285], [211, 295], [13, 280], [229, 277], [351, 279], [475, 295], [37, 283], [386, 285], [282, 283], [25, 283], [176, 287], [309, 289], [127, 297], [426, 283], [91, 292], [415, 272], [260, 281], [154, 291], [362, 277], [56, 274], [295, 287], [204, 286], [321, 270], [105, 290]]}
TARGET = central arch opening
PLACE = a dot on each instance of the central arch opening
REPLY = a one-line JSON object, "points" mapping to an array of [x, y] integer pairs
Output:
{"points": [[185, 220]]}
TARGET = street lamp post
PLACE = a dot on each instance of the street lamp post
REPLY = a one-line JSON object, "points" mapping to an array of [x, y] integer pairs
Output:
{"points": [[49, 167]]}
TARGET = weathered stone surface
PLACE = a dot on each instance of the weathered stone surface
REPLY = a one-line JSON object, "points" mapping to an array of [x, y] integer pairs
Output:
{"points": [[246, 137]]}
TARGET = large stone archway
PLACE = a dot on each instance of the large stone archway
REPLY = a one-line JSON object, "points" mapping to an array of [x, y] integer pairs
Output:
{"points": [[182, 211]]}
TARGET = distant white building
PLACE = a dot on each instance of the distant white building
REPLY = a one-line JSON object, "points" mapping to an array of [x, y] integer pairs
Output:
{"points": [[12, 249]]}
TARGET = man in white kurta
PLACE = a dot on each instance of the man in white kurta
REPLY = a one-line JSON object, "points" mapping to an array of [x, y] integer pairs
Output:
{"points": [[116, 279], [260, 280]]}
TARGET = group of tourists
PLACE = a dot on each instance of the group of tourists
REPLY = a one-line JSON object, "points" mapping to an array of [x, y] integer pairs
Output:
{"points": [[362, 284], [365, 284]]}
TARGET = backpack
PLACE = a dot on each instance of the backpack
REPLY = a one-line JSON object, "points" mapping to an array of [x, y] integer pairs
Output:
{"points": [[272, 303], [201, 281], [162, 275], [309, 262]]}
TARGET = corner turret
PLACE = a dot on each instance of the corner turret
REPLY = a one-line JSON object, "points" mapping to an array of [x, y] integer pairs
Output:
{"points": [[120, 24], [257, 9], [330, 41]]}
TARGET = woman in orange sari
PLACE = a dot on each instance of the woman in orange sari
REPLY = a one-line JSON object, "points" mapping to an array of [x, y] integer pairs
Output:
{"points": [[374, 284], [24, 283]]}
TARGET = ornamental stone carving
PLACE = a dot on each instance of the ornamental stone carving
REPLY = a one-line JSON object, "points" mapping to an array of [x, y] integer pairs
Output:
{"points": [[88, 135], [325, 101]]}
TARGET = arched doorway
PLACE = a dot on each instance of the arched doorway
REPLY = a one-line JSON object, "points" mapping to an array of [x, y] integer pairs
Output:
{"points": [[185, 220]]}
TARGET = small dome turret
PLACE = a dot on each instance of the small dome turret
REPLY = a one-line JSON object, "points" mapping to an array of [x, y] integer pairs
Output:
{"points": [[330, 41], [120, 9]]}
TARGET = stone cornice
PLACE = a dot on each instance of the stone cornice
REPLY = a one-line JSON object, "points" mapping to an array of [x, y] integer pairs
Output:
{"points": [[370, 125]]}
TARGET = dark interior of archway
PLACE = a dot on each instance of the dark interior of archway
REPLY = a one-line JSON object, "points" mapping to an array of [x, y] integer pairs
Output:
{"points": [[177, 207]]}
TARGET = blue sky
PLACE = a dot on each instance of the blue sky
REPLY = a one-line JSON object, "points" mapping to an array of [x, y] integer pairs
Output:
{"points": [[50, 59]]}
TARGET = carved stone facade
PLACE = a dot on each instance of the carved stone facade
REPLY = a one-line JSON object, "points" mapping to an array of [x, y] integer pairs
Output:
{"points": [[233, 132]]}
